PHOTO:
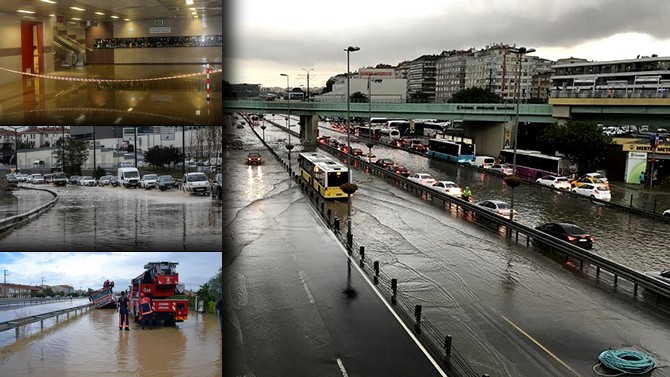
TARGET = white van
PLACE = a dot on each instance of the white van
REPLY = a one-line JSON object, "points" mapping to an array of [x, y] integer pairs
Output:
{"points": [[389, 135], [129, 177], [483, 162]]}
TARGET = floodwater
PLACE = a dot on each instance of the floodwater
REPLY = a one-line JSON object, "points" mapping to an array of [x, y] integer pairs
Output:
{"points": [[91, 345], [116, 218], [177, 101], [23, 201], [511, 309]]}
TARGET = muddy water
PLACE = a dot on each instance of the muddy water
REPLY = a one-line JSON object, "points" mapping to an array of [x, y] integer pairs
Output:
{"points": [[91, 345]]}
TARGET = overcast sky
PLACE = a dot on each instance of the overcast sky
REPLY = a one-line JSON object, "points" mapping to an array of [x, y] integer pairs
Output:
{"points": [[272, 37], [90, 270]]}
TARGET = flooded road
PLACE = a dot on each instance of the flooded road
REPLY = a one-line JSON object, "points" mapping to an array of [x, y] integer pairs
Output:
{"points": [[91, 345], [116, 218], [8, 314], [512, 310]]}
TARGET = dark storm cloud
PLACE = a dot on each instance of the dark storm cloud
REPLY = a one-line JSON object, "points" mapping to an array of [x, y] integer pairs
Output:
{"points": [[538, 23]]}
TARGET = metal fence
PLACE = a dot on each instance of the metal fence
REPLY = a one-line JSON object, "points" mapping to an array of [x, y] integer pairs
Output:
{"points": [[23, 217], [18, 323]]}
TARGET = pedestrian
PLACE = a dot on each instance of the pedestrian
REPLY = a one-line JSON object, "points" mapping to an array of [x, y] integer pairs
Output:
{"points": [[123, 312], [219, 307], [111, 285], [642, 177], [146, 311]]}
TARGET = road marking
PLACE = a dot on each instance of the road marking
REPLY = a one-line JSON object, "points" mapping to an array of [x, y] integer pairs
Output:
{"points": [[304, 284], [344, 371], [537, 343]]}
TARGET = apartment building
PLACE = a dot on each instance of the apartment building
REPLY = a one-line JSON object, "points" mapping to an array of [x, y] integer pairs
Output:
{"points": [[421, 78], [450, 71]]}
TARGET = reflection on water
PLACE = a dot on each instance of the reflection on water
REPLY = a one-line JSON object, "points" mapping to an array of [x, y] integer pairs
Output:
{"points": [[92, 345]]}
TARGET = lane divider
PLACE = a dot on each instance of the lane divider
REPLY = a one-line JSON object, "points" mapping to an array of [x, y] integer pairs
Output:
{"points": [[207, 72]]}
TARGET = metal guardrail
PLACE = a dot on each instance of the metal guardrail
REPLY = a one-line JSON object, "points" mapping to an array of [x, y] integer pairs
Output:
{"points": [[17, 323], [18, 302], [20, 218]]}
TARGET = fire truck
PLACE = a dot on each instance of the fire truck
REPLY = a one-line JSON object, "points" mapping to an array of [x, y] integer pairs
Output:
{"points": [[159, 281]]}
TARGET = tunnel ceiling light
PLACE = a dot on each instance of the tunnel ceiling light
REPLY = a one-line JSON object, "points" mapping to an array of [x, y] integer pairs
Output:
{"points": [[126, 19], [195, 16], [49, 1], [189, 2], [114, 16], [75, 18], [76, 8], [100, 13], [25, 11], [191, 8]]}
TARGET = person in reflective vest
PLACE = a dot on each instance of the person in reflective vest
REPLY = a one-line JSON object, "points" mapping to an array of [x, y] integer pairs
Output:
{"points": [[123, 312], [146, 310]]}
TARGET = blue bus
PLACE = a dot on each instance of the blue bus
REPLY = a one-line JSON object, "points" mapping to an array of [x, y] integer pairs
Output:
{"points": [[450, 150]]}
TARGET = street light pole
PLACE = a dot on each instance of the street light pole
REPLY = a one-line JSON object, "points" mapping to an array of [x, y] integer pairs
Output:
{"points": [[519, 53], [349, 50], [288, 119], [308, 70]]}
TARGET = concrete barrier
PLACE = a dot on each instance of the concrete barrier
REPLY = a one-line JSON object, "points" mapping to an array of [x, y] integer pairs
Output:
{"points": [[24, 217]]}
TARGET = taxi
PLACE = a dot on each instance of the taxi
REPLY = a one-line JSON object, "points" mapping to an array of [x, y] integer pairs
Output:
{"points": [[590, 180]]}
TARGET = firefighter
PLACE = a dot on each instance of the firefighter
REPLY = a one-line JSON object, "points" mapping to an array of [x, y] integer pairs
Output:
{"points": [[123, 312], [146, 311]]}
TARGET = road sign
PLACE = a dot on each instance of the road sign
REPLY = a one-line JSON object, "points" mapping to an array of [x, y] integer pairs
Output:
{"points": [[128, 133], [167, 133]]}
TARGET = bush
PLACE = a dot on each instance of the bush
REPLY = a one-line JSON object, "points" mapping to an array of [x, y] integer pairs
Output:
{"points": [[211, 307]]}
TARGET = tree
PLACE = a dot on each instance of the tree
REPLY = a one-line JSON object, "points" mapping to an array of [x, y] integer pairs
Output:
{"points": [[215, 284], [159, 156], [475, 95], [580, 141], [329, 86], [71, 156], [99, 172], [358, 97]]}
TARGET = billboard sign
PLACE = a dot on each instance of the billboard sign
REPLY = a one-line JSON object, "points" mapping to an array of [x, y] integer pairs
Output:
{"points": [[167, 133]]}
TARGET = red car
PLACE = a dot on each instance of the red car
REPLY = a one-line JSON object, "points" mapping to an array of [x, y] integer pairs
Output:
{"points": [[356, 152], [400, 170], [384, 162], [254, 159]]}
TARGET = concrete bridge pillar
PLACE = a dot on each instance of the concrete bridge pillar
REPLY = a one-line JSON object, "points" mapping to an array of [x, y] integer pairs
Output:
{"points": [[489, 137], [309, 131]]}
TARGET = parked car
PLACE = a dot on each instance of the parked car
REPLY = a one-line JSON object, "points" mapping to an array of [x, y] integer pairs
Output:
{"points": [[195, 183], [37, 179], [148, 181], [498, 207], [237, 144], [333, 143], [422, 178], [554, 182], [485, 162], [105, 180], [166, 182], [12, 180], [254, 159], [74, 179], [217, 187], [590, 181], [593, 191], [449, 188], [399, 169], [567, 232], [384, 162], [115, 182], [59, 179], [504, 169], [86, 181]]}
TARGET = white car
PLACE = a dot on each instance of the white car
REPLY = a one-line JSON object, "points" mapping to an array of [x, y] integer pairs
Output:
{"points": [[449, 188], [422, 178], [504, 169], [86, 181], [498, 207], [36, 179], [593, 191], [149, 181], [196, 183], [554, 182], [666, 212]]}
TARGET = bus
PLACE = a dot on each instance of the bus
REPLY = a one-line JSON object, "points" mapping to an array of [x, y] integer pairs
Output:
{"points": [[451, 150], [324, 174], [534, 164], [389, 135]]}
